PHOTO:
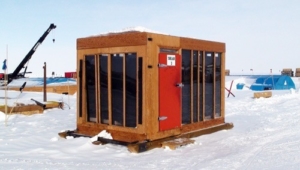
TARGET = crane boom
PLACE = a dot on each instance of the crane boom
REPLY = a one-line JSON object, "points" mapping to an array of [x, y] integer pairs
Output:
{"points": [[16, 72]]}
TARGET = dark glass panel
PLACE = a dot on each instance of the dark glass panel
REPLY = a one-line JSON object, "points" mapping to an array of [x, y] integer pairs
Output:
{"points": [[90, 87], [195, 85], [209, 89], [131, 88], [117, 88], [201, 86], [80, 87], [103, 58], [140, 99], [186, 89], [218, 84]]}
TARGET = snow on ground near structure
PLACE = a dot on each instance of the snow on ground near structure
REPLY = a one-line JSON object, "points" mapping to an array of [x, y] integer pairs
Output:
{"points": [[265, 136]]}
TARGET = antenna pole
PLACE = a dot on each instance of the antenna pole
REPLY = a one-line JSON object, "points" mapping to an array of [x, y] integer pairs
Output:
{"points": [[45, 87], [5, 81]]}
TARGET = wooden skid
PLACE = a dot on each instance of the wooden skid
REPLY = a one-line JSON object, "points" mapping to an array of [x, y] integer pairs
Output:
{"points": [[172, 142], [71, 133], [22, 109], [176, 143], [224, 126], [145, 146], [53, 104], [63, 134], [98, 143]]}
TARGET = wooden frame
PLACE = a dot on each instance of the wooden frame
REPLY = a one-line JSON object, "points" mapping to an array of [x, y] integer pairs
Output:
{"points": [[146, 46]]}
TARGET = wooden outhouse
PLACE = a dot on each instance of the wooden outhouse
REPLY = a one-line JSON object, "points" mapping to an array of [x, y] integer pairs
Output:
{"points": [[143, 88]]}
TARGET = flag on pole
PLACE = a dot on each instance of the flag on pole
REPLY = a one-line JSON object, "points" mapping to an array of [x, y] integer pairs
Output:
{"points": [[4, 66]]}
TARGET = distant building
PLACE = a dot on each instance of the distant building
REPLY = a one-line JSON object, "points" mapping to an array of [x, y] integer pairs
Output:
{"points": [[227, 72], [288, 72], [297, 72]]}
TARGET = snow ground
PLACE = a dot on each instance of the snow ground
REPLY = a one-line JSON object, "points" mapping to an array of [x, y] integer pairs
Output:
{"points": [[265, 136]]}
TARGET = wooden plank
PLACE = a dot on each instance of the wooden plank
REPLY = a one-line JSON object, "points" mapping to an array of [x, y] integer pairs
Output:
{"points": [[151, 88], [202, 125], [31, 112], [120, 134], [173, 144], [22, 109], [203, 45], [112, 40], [146, 146], [209, 130], [223, 60], [53, 104], [265, 94]]}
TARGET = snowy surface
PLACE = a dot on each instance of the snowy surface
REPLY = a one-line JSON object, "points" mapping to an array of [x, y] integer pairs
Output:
{"points": [[40, 81], [265, 136], [129, 29]]}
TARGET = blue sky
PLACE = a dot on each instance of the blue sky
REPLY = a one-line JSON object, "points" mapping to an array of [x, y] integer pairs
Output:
{"points": [[259, 34]]}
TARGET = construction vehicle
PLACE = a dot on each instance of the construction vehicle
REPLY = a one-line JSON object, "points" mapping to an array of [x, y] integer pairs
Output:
{"points": [[17, 72]]}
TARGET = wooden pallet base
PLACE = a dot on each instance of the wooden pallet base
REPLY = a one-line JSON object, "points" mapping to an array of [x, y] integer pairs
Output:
{"points": [[71, 133], [172, 142], [176, 143], [148, 145]]}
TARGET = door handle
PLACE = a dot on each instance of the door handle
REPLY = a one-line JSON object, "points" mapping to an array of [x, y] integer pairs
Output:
{"points": [[180, 85], [162, 118], [162, 65]]}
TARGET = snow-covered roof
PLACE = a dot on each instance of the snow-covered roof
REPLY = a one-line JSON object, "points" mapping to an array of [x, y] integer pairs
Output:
{"points": [[129, 29]]}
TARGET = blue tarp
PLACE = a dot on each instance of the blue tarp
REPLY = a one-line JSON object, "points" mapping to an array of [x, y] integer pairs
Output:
{"points": [[50, 80], [240, 86], [275, 82]]}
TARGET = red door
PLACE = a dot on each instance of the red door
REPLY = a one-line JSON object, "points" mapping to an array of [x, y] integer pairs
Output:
{"points": [[169, 91]]}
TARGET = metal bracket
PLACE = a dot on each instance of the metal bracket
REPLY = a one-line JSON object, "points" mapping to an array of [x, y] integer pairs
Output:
{"points": [[180, 85]]}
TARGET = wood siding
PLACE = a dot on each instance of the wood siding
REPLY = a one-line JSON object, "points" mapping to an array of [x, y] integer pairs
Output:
{"points": [[147, 46], [112, 40]]}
